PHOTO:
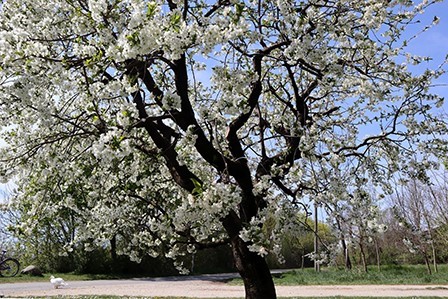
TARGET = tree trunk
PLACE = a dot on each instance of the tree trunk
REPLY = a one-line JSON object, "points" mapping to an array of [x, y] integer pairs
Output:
{"points": [[316, 238], [302, 266], [252, 267], [254, 271], [363, 256], [431, 237], [348, 262], [377, 251], [434, 257], [427, 263], [113, 248]]}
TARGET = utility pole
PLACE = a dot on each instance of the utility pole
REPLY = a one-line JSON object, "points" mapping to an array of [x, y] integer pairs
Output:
{"points": [[316, 239]]}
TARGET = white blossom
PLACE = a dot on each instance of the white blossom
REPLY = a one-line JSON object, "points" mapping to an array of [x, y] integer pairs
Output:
{"points": [[151, 124]]}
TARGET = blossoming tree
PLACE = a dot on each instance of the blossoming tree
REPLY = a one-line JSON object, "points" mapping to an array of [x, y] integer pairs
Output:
{"points": [[187, 123]]}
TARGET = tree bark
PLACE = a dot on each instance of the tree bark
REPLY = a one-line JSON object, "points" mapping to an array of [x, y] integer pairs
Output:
{"points": [[434, 257], [113, 248], [378, 258], [427, 263], [363, 256], [347, 261], [254, 271]]}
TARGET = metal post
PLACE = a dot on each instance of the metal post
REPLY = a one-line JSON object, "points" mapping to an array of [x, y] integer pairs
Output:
{"points": [[316, 240]]}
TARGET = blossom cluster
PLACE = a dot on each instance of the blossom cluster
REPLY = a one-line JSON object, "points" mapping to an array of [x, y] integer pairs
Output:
{"points": [[150, 122]]}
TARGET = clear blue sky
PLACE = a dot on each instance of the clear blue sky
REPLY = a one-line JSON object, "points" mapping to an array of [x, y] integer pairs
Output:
{"points": [[434, 43]]}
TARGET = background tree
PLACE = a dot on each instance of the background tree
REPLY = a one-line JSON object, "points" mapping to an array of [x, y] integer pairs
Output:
{"points": [[201, 119], [413, 211], [437, 193], [295, 244], [355, 219], [5, 235]]}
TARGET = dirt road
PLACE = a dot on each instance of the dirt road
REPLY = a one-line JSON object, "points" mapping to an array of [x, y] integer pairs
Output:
{"points": [[207, 286]]}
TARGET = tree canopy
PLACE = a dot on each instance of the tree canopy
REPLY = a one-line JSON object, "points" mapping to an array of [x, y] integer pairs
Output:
{"points": [[187, 123]]}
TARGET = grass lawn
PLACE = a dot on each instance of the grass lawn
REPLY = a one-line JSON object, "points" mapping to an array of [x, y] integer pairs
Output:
{"points": [[67, 276], [409, 274], [335, 297]]}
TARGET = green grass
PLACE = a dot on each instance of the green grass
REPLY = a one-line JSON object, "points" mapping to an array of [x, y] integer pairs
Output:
{"points": [[67, 276], [125, 297], [333, 297], [411, 274]]}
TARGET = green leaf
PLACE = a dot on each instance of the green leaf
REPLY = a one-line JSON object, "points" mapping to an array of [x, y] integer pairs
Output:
{"points": [[151, 11], [198, 189], [175, 20], [239, 9], [126, 113], [133, 38]]}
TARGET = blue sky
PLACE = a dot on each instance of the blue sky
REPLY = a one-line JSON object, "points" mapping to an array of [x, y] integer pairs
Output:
{"points": [[434, 43]]}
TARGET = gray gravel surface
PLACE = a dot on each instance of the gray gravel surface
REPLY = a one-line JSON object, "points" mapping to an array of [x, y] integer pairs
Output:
{"points": [[207, 286]]}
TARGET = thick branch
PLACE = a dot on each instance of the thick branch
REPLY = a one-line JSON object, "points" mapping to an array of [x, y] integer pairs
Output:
{"points": [[180, 173], [236, 124]]}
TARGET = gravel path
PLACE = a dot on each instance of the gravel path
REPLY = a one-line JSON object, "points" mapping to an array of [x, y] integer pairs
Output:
{"points": [[207, 286]]}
